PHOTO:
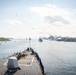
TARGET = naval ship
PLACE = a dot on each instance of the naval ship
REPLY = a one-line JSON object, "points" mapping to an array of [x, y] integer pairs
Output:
{"points": [[40, 40], [27, 62]]}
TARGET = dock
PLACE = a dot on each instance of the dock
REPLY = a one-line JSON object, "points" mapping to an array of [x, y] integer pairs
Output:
{"points": [[29, 65]]}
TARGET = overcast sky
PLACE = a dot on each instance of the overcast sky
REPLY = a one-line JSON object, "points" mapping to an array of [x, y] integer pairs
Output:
{"points": [[37, 18]]}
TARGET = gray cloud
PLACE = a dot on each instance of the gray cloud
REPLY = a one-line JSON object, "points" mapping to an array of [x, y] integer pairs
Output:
{"points": [[54, 19]]}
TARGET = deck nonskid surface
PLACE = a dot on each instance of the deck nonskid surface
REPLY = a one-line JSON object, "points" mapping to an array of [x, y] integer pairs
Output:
{"points": [[28, 64]]}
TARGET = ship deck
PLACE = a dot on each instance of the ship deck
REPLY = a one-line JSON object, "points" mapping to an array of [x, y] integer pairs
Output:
{"points": [[29, 66]]}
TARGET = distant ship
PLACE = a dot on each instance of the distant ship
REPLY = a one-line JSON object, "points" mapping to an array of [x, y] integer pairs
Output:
{"points": [[59, 39], [40, 40]]}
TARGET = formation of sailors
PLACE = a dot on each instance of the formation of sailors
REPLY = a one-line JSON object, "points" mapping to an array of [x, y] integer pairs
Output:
{"points": [[19, 55]]}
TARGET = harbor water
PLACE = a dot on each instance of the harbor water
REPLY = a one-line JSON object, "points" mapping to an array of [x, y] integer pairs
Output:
{"points": [[58, 58]]}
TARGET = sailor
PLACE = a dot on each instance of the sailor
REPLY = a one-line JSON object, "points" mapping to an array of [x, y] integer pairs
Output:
{"points": [[32, 51]]}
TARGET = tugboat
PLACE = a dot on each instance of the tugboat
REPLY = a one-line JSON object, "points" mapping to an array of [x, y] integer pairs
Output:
{"points": [[27, 62], [40, 40]]}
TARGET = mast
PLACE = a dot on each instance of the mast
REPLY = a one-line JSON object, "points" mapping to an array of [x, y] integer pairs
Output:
{"points": [[29, 43]]}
